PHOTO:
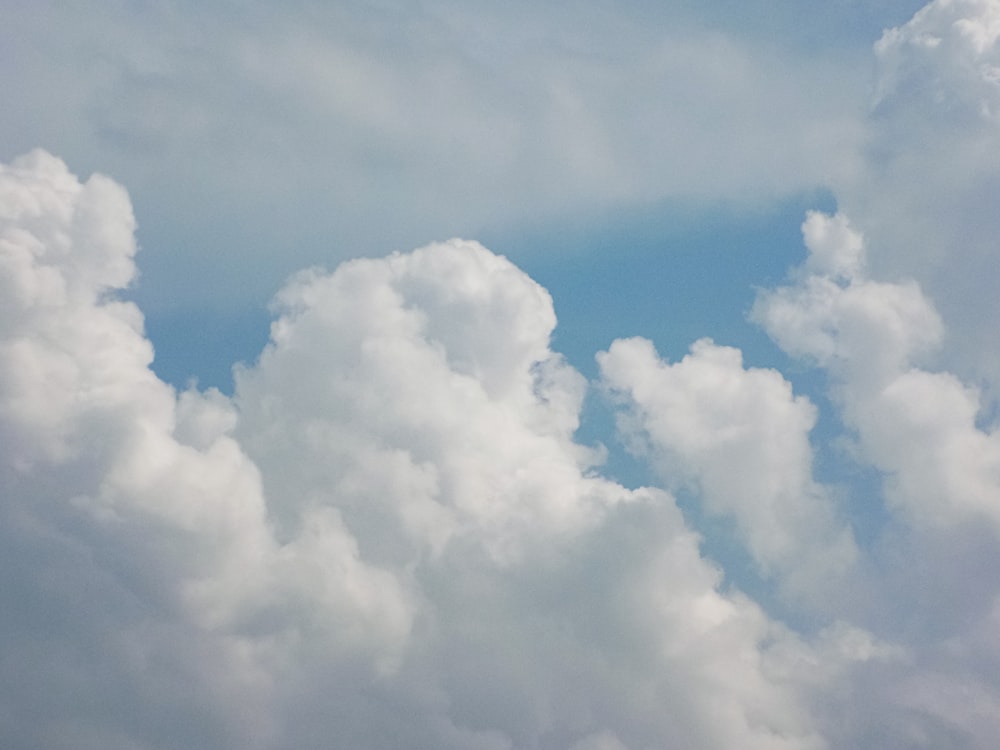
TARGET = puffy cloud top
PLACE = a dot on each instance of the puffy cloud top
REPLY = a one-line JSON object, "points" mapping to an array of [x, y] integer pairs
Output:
{"points": [[919, 426], [390, 533], [925, 191], [946, 57], [742, 437], [387, 532]]}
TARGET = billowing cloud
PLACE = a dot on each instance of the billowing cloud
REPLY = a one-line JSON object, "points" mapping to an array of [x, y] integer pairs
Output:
{"points": [[388, 532], [918, 426], [940, 471], [132, 515], [741, 437], [925, 193]]}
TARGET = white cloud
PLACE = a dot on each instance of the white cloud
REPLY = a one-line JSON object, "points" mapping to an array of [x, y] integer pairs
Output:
{"points": [[602, 741], [925, 193], [387, 533], [388, 536], [741, 437], [436, 364], [941, 480], [172, 538], [919, 427], [944, 56], [324, 131]]}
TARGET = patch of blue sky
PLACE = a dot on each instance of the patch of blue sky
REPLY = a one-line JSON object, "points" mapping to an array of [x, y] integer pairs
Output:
{"points": [[672, 272], [200, 346]]}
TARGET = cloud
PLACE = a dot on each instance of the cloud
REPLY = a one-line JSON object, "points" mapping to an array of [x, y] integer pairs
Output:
{"points": [[741, 437], [387, 532], [141, 560], [940, 474], [918, 426], [945, 56], [321, 132], [924, 193], [390, 534]]}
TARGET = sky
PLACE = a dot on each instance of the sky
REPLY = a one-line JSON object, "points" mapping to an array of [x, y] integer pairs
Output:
{"points": [[475, 376]]}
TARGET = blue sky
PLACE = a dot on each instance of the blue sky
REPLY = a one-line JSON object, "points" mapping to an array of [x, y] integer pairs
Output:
{"points": [[464, 375]]}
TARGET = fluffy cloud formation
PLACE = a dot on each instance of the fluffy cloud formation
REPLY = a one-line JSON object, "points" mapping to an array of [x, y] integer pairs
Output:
{"points": [[388, 534], [917, 426], [940, 472], [437, 365], [132, 516], [925, 191], [742, 438]]}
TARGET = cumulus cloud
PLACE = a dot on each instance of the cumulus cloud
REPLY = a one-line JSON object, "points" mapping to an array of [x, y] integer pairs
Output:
{"points": [[437, 364], [390, 534], [741, 436], [928, 177], [918, 426], [171, 535], [386, 536], [940, 470]]}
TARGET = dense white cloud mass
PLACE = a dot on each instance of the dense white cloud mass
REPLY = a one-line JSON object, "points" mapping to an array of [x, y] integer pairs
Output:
{"points": [[926, 192], [742, 437], [435, 364], [136, 516], [389, 534], [919, 427]]}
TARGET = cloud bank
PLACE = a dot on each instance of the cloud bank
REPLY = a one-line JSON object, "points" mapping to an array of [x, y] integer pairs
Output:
{"points": [[389, 535]]}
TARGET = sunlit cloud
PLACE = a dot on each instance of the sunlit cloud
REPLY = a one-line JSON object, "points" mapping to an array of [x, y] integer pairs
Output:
{"points": [[391, 531]]}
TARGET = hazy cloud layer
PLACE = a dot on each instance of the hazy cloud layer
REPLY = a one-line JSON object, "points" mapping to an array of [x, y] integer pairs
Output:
{"points": [[319, 130]]}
